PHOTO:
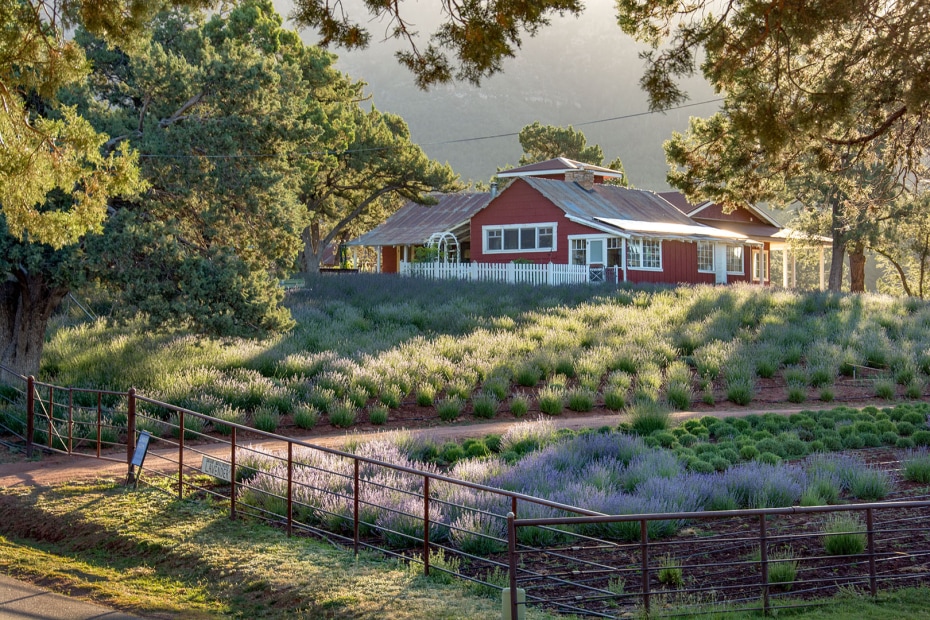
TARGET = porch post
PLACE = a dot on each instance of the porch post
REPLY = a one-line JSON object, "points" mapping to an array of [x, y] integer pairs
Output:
{"points": [[378, 251], [784, 266], [623, 257], [794, 271], [821, 268]]}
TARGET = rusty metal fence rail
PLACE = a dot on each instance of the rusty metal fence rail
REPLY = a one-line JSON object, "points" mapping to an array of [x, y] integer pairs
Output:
{"points": [[569, 559]]}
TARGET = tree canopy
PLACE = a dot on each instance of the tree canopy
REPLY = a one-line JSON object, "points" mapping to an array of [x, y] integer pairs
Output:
{"points": [[543, 142], [46, 148]]}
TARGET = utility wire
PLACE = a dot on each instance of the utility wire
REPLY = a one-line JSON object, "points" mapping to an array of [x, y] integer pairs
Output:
{"points": [[441, 143]]}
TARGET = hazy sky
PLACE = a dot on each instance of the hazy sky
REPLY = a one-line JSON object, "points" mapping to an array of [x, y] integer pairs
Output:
{"points": [[577, 71]]}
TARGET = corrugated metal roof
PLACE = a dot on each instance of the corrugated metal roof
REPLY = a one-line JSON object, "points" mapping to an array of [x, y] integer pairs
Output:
{"points": [[609, 201], [555, 166], [413, 224]]}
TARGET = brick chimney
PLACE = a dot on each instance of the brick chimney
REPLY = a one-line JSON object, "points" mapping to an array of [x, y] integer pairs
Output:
{"points": [[584, 178]]}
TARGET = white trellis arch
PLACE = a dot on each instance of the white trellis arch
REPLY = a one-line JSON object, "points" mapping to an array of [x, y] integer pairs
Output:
{"points": [[446, 245]]}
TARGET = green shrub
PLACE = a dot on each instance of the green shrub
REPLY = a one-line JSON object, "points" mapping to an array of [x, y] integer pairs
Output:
{"points": [[551, 400], [884, 388], [783, 568], [519, 404], [306, 416], [769, 458], [485, 405], [700, 466], [844, 534], [391, 396], [670, 572], [921, 438], [648, 417], [426, 395], [917, 467], [665, 438], [228, 414], [581, 399], [797, 394], [905, 429], [740, 390], [679, 395], [719, 463], [475, 448], [869, 485], [915, 389], [904, 442], [378, 415], [827, 395], [266, 419], [853, 441], [343, 414], [451, 452], [615, 399], [450, 408], [749, 452], [528, 375], [498, 386]]}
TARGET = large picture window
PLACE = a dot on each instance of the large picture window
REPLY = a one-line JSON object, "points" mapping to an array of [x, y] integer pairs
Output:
{"points": [[735, 259], [644, 254], [705, 256], [520, 238]]}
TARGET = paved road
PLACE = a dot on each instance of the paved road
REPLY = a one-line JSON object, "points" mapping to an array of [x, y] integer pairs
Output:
{"points": [[24, 601]]}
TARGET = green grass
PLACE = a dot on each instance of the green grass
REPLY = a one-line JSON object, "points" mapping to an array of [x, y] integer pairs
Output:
{"points": [[148, 553]]}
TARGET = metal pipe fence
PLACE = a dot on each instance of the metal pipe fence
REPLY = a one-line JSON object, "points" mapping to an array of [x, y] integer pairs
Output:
{"points": [[561, 557]]}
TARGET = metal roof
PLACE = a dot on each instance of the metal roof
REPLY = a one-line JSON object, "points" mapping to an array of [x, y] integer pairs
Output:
{"points": [[413, 223], [681, 231], [609, 201], [556, 166]]}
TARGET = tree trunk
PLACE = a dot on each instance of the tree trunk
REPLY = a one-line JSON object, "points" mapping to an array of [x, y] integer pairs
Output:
{"points": [[857, 268], [839, 247], [26, 304], [312, 250]]}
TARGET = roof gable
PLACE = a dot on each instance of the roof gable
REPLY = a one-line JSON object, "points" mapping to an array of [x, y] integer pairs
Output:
{"points": [[559, 165], [701, 210]]}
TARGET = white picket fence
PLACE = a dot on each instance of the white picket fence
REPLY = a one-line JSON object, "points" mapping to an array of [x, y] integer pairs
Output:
{"points": [[512, 273]]}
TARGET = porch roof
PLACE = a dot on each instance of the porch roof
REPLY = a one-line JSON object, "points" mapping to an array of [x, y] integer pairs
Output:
{"points": [[413, 224], [695, 232]]}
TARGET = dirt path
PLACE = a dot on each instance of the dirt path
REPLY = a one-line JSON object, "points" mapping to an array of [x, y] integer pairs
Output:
{"points": [[58, 468]]}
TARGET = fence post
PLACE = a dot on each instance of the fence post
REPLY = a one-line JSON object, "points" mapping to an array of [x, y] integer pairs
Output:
{"points": [[355, 524], [130, 427], [510, 269], [99, 421], [51, 414], [512, 561], [30, 413], [290, 488], [426, 525], [232, 475], [873, 587], [70, 419], [764, 560], [644, 546], [180, 455]]}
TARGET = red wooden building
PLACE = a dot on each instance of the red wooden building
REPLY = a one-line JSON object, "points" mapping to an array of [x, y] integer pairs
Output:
{"points": [[565, 213]]}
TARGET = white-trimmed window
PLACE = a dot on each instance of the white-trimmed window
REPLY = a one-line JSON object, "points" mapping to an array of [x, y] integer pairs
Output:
{"points": [[644, 254], [760, 265], [705, 256], [519, 238], [735, 259], [614, 252]]}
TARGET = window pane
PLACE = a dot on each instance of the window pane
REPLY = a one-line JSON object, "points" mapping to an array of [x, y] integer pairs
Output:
{"points": [[545, 237], [578, 251], [494, 239], [596, 251], [511, 239], [705, 252], [652, 253], [735, 259], [527, 238], [634, 253]]}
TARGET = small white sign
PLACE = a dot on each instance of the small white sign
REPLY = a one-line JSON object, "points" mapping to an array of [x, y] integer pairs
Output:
{"points": [[216, 468]]}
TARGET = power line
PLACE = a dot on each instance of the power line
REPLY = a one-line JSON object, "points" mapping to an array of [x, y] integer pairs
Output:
{"points": [[441, 143]]}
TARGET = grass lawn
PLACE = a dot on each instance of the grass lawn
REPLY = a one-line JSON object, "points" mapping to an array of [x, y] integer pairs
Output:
{"points": [[146, 552]]}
